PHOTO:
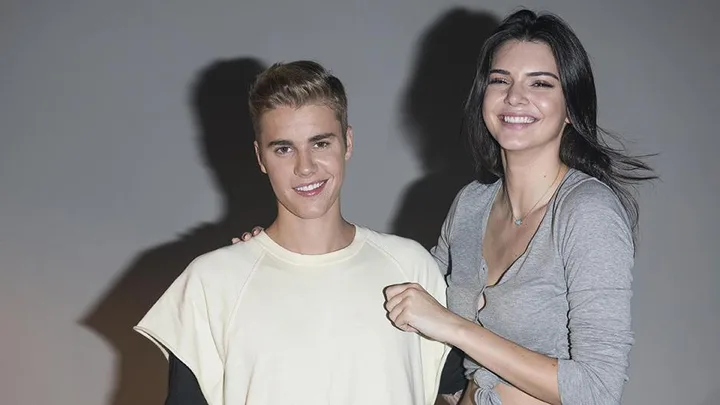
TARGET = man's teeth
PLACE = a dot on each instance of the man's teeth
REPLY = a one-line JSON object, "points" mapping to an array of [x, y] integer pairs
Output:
{"points": [[310, 187], [518, 120]]}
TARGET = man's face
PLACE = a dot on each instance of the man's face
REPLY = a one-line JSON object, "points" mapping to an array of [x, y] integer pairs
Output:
{"points": [[303, 153]]}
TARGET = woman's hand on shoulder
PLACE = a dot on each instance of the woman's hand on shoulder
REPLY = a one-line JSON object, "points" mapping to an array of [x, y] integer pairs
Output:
{"points": [[246, 236]]}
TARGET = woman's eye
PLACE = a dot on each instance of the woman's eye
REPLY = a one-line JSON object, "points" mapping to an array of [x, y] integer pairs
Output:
{"points": [[542, 84]]}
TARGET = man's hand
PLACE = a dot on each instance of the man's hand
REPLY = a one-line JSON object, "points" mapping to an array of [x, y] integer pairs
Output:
{"points": [[448, 399], [468, 397], [246, 236]]}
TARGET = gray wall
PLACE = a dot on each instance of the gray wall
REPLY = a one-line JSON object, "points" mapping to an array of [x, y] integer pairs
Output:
{"points": [[112, 177]]}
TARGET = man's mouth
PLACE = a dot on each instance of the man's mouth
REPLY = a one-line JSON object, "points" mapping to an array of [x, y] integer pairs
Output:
{"points": [[310, 189]]}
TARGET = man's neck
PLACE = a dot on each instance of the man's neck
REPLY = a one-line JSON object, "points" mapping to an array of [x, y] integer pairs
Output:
{"points": [[311, 236]]}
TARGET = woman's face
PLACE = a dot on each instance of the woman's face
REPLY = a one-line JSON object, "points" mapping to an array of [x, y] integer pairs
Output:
{"points": [[524, 106]]}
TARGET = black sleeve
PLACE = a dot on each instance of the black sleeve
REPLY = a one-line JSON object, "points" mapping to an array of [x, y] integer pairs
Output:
{"points": [[453, 378], [183, 387]]}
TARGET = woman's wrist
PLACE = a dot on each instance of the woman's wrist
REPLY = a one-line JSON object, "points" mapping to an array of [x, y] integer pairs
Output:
{"points": [[460, 331]]}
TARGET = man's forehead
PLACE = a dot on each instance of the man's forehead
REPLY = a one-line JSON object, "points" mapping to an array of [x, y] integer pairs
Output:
{"points": [[299, 124]]}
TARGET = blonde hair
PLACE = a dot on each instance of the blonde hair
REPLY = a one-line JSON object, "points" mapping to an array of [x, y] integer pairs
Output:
{"points": [[297, 84]]}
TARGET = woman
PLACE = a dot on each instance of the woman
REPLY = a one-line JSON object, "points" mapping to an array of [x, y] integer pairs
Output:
{"points": [[540, 249]]}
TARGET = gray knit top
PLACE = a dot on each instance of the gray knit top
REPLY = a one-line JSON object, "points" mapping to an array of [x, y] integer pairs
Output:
{"points": [[567, 297]]}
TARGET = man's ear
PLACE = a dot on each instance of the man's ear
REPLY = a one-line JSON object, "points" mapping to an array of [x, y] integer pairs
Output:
{"points": [[348, 143], [259, 159]]}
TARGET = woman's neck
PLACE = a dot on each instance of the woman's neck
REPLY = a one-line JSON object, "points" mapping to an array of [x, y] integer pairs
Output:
{"points": [[529, 183]]}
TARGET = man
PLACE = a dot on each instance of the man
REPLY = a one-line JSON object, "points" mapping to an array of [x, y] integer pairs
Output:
{"points": [[296, 315]]}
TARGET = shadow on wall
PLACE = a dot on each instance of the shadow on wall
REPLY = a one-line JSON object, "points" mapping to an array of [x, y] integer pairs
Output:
{"points": [[713, 398], [219, 98], [432, 111]]}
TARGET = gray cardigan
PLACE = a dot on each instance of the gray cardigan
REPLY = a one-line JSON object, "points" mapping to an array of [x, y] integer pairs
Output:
{"points": [[567, 297]]}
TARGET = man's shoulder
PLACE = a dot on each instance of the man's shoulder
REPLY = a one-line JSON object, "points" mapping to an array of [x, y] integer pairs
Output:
{"points": [[394, 244], [405, 252], [230, 261], [412, 260]]}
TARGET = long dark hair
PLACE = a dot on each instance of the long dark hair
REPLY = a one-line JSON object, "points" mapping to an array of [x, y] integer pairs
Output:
{"points": [[582, 146]]}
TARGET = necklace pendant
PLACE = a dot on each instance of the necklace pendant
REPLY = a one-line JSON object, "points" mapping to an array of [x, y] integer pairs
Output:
{"points": [[518, 222]]}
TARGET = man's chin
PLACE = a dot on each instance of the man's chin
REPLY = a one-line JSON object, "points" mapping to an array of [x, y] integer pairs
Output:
{"points": [[309, 210], [309, 214]]}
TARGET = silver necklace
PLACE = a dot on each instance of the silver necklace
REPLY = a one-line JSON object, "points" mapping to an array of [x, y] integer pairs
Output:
{"points": [[519, 221]]}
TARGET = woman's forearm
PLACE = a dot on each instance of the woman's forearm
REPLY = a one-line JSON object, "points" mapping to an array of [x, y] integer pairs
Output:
{"points": [[533, 373]]}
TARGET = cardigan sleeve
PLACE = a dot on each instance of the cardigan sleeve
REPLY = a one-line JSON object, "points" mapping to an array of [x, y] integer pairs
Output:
{"points": [[596, 244]]}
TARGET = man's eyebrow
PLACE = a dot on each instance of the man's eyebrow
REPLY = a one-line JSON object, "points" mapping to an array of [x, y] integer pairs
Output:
{"points": [[312, 139], [279, 142], [320, 137]]}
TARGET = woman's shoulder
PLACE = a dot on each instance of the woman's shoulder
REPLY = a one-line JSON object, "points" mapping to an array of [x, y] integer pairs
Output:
{"points": [[587, 196], [475, 192], [579, 188], [469, 202]]}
